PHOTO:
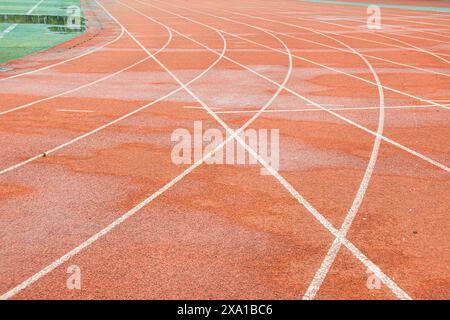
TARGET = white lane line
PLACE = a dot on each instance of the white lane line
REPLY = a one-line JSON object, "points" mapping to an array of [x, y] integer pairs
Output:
{"points": [[74, 110], [130, 213], [134, 210], [10, 28], [413, 48], [330, 257], [50, 151], [361, 190], [352, 18], [376, 270], [320, 110], [307, 100], [345, 50], [197, 107], [35, 7], [87, 52], [316, 63], [111, 75], [7, 30]]}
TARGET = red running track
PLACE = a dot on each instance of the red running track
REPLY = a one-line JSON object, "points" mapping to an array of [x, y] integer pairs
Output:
{"points": [[360, 197]]}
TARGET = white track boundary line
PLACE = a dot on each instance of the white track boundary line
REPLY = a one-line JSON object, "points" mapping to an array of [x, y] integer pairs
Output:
{"points": [[101, 128], [340, 49], [86, 85], [384, 16], [357, 125], [376, 270], [364, 183], [318, 110], [369, 40], [134, 210], [418, 49], [313, 62], [27, 105], [35, 7], [88, 52], [7, 30]]}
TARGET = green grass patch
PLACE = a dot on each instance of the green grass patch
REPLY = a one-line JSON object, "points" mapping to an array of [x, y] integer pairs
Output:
{"points": [[29, 34], [47, 7], [29, 38]]}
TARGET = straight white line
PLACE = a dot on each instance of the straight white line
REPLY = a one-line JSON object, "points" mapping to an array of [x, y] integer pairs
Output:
{"points": [[310, 61], [361, 191], [35, 7], [347, 120], [320, 110], [352, 18], [94, 238], [7, 30], [196, 107], [111, 75], [341, 49], [88, 52], [134, 210], [366, 40], [383, 277], [74, 110], [10, 28]]}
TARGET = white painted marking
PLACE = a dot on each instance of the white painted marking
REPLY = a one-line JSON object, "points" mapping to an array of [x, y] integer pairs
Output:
{"points": [[73, 110], [413, 48], [133, 211], [27, 105], [344, 50], [10, 28], [35, 7], [357, 125], [364, 54], [383, 277], [197, 107], [320, 110], [7, 30], [87, 52]]}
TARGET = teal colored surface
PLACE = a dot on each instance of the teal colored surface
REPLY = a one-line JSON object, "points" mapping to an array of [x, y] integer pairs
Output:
{"points": [[25, 39], [4, 26], [382, 5], [47, 7], [29, 38]]}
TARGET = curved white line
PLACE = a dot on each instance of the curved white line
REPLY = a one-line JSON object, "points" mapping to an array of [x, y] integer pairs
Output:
{"points": [[363, 39], [357, 125], [345, 50], [384, 16], [390, 141], [437, 56], [414, 48], [383, 277], [332, 253], [125, 116], [133, 211], [111, 75], [88, 51]]}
